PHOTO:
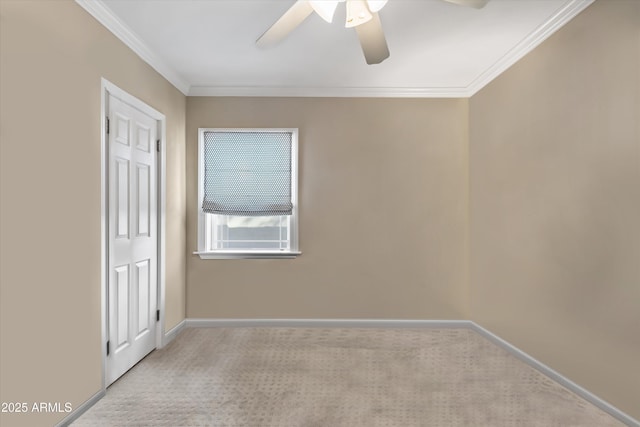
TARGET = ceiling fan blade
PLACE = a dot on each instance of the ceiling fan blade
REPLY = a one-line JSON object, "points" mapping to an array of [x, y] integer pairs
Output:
{"points": [[478, 4], [288, 22], [374, 45]]}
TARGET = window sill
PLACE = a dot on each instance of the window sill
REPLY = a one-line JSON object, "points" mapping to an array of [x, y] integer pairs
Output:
{"points": [[248, 255]]}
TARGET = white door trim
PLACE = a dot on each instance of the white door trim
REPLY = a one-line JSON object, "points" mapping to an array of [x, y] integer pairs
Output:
{"points": [[109, 88]]}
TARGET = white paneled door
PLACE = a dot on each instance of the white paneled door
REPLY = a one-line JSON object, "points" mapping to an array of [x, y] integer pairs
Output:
{"points": [[133, 241]]}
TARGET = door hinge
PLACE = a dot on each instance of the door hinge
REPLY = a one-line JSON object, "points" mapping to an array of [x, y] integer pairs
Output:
{"points": [[107, 125], [108, 347], [157, 315], [158, 145]]}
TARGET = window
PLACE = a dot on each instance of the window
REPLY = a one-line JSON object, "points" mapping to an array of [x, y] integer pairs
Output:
{"points": [[247, 193]]}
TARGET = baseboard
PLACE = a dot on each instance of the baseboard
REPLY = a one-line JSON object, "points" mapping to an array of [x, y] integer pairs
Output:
{"points": [[75, 414], [173, 333], [556, 376], [326, 323]]}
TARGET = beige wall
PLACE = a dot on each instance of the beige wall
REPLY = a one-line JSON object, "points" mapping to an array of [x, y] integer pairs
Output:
{"points": [[555, 203], [551, 148], [53, 56], [383, 205]]}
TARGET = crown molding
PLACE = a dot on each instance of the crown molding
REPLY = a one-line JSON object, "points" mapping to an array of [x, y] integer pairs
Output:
{"points": [[563, 15], [103, 14], [329, 92]]}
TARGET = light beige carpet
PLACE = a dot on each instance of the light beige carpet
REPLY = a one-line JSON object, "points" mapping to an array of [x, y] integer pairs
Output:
{"points": [[277, 377]]}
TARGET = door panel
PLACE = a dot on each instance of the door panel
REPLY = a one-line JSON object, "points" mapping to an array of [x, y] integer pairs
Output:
{"points": [[122, 197], [121, 292], [144, 200], [133, 242], [144, 139], [144, 284]]}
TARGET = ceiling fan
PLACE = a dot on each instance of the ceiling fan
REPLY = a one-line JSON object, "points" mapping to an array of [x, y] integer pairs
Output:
{"points": [[361, 15]]}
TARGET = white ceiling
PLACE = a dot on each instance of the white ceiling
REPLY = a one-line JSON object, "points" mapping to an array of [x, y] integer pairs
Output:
{"points": [[438, 49]]}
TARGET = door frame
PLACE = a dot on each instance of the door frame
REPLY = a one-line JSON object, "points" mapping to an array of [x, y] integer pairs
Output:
{"points": [[108, 88]]}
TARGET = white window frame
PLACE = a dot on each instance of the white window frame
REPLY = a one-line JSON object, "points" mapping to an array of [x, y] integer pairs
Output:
{"points": [[203, 238]]}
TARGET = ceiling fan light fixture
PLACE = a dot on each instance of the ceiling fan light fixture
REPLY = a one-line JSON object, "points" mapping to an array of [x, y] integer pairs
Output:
{"points": [[362, 15], [376, 5], [357, 13], [325, 8], [478, 4]]}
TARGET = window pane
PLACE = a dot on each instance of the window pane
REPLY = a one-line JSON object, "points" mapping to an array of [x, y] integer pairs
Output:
{"points": [[249, 232]]}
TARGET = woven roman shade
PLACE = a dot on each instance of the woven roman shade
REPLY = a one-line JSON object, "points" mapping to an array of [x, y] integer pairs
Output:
{"points": [[247, 173]]}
